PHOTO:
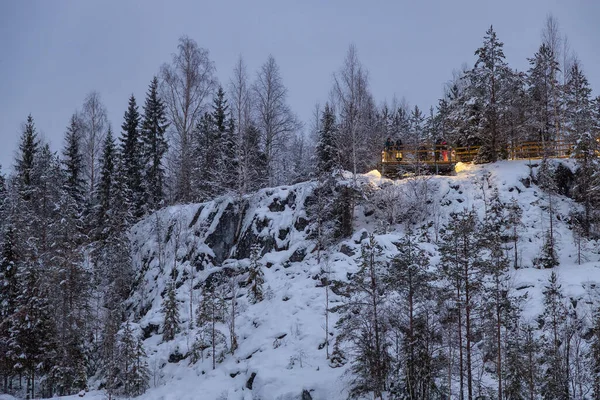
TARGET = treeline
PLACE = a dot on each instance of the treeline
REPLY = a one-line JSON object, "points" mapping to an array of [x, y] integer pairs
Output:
{"points": [[65, 268]]}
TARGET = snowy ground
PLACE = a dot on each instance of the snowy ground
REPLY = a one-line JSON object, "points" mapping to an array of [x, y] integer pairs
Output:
{"points": [[280, 337]]}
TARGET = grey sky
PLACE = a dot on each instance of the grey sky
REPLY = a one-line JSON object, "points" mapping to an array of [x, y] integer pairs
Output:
{"points": [[52, 53]]}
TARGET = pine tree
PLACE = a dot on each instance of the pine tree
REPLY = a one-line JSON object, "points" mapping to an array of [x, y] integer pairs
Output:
{"points": [[71, 296], [110, 368], [28, 149], [115, 265], [231, 160], [225, 167], [300, 154], [362, 324], [432, 132], [3, 201], [514, 369], [417, 128], [542, 82], [106, 186], [220, 111], [48, 185], [8, 302], [514, 216], [47, 248], [578, 107], [545, 177], [400, 122], [206, 159], [495, 264], [154, 126], [112, 280], [126, 357], [320, 211], [49, 232], [548, 257], [343, 210], [594, 356], [140, 381], [487, 80], [32, 343], [531, 348], [133, 373], [595, 105], [578, 374], [327, 150], [73, 161], [408, 276], [556, 382], [170, 311], [122, 214], [463, 113], [8, 273], [131, 160], [256, 277], [252, 160], [462, 267], [579, 124], [216, 153], [515, 110], [210, 312], [587, 179]]}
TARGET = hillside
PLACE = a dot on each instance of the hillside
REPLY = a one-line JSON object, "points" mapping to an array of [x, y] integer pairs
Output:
{"points": [[280, 353]]}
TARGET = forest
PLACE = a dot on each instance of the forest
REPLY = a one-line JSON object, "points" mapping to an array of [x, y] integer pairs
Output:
{"points": [[408, 327]]}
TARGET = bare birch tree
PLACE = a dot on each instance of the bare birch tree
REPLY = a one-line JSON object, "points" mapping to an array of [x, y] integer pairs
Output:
{"points": [[241, 103], [234, 310], [240, 96], [552, 39], [275, 119], [187, 83], [95, 125], [352, 101]]}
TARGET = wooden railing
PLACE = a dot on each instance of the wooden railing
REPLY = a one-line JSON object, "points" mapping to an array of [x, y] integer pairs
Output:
{"points": [[538, 150], [445, 155], [411, 155]]}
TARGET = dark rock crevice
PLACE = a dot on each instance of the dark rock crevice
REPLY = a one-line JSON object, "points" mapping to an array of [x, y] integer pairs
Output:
{"points": [[222, 239]]}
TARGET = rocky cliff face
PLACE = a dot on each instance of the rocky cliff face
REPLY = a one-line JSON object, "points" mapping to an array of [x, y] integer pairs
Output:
{"points": [[190, 242], [280, 338], [281, 354]]}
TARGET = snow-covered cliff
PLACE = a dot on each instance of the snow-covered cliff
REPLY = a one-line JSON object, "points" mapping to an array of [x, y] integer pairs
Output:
{"points": [[281, 354]]}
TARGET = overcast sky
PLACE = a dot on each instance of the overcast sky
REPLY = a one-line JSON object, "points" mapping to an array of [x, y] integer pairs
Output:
{"points": [[52, 53]]}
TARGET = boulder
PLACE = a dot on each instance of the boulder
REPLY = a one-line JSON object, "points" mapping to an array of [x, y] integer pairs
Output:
{"points": [[298, 255]]}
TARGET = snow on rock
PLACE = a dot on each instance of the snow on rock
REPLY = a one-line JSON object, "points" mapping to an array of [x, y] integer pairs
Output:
{"points": [[280, 354], [373, 174], [279, 337]]}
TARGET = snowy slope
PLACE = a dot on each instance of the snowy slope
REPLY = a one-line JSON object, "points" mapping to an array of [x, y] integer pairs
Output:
{"points": [[280, 337]]}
